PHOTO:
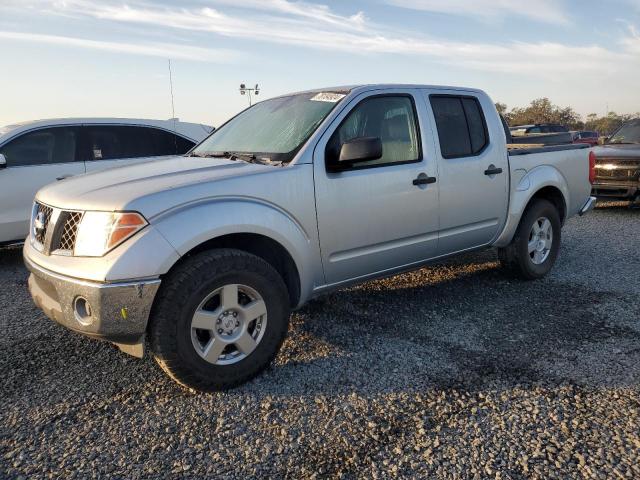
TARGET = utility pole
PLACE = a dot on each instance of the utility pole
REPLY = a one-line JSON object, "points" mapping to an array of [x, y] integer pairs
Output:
{"points": [[247, 91]]}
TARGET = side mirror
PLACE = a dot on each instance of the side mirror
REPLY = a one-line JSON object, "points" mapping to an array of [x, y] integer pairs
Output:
{"points": [[360, 149], [602, 140], [3, 161]]}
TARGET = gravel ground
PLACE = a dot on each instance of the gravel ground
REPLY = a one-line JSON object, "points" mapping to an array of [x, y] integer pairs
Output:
{"points": [[453, 371]]}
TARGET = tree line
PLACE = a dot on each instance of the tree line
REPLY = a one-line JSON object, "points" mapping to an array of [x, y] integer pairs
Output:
{"points": [[542, 110]]}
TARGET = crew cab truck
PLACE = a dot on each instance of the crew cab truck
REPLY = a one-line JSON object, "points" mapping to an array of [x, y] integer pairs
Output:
{"points": [[204, 256]]}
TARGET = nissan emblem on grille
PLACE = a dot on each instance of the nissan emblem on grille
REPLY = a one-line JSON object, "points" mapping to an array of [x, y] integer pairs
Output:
{"points": [[38, 224], [41, 223]]}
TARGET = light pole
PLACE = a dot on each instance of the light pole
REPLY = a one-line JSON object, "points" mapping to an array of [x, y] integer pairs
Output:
{"points": [[245, 90]]}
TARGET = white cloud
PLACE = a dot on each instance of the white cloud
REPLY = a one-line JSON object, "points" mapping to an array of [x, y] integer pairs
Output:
{"points": [[632, 42], [313, 11], [163, 50], [548, 11], [310, 25]]}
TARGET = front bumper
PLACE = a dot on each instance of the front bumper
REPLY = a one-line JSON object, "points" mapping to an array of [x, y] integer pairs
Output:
{"points": [[627, 190], [117, 312]]}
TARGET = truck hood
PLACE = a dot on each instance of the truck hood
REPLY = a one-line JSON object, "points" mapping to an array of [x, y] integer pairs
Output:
{"points": [[140, 187], [617, 151]]}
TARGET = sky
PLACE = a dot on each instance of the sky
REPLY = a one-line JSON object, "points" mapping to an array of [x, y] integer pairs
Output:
{"points": [[72, 58]]}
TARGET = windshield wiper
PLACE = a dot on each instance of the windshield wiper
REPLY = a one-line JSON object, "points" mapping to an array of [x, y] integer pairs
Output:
{"points": [[242, 156], [247, 157], [231, 156], [623, 143]]}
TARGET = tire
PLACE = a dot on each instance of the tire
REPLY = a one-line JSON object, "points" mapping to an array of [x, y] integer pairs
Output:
{"points": [[517, 258], [194, 295]]}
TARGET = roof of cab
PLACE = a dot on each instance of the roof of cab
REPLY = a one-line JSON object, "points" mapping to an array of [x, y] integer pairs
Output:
{"points": [[360, 88]]}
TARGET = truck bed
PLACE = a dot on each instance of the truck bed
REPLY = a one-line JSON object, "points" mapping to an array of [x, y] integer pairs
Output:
{"points": [[555, 138], [526, 149]]}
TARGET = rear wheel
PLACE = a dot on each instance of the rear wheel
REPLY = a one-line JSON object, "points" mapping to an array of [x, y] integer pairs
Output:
{"points": [[219, 319], [534, 248]]}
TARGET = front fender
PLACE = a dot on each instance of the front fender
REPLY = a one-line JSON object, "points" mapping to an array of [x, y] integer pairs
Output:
{"points": [[193, 224], [524, 185]]}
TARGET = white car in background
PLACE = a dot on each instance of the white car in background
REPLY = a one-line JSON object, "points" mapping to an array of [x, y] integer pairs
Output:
{"points": [[33, 154]]}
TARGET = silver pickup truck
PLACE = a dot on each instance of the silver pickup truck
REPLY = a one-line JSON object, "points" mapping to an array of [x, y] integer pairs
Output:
{"points": [[203, 256]]}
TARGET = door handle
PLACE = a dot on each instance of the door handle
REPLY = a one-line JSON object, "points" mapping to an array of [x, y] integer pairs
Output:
{"points": [[423, 179], [492, 170], [63, 177]]}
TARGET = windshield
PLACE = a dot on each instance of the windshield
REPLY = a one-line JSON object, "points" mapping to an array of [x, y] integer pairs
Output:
{"points": [[628, 133], [274, 129]]}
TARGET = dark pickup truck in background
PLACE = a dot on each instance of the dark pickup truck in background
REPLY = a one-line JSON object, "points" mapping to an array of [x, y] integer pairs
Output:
{"points": [[618, 164], [541, 133]]}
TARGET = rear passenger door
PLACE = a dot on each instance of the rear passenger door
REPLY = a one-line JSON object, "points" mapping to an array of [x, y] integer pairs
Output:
{"points": [[474, 170], [108, 146]]}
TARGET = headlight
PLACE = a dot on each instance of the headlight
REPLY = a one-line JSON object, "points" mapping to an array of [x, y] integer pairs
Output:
{"points": [[99, 232]]}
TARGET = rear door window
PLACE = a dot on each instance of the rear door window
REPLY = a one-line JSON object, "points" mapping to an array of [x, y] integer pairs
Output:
{"points": [[41, 147], [104, 143], [110, 142], [462, 129]]}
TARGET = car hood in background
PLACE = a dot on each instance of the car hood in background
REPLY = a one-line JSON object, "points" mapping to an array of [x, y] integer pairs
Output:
{"points": [[134, 186], [617, 151]]}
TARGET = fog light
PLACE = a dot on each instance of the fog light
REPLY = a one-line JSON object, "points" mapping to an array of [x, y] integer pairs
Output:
{"points": [[82, 309]]}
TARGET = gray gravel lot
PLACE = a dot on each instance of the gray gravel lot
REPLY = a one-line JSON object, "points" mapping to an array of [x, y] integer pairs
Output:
{"points": [[453, 371]]}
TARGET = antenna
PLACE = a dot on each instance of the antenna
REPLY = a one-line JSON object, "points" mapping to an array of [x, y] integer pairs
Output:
{"points": [[173, 109]]}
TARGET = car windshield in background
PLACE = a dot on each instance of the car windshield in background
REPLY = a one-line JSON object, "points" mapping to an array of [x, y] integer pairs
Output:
{"points": [[629, 133], [274, 129]]}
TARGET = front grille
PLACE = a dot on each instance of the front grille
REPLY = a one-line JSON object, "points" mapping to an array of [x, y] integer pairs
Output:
{"points": [[54, 230], [618, 170], [41, 220], [69, 231]]}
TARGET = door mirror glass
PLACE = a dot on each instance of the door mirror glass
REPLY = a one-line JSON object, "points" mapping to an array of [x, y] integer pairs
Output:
{"points": [[360, 149], [3, 161]]}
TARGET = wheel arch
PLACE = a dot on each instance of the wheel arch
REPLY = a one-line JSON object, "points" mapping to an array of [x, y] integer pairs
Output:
{"points": [[554, 195], [262, 246], [544, 182], [251, 225]]}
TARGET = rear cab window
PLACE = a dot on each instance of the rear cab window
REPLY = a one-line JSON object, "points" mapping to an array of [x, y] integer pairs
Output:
{"points": [[461, 125]]}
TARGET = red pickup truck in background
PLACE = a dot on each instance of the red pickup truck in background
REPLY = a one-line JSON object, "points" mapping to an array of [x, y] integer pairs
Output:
{"points": [[585, 136]]}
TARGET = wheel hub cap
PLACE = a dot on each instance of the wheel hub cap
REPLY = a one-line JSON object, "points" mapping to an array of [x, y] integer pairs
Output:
{"points": [[228, 324], [540, 240]]}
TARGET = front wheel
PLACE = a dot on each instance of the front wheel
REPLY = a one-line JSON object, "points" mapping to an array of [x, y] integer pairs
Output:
{"points": [[219, 319], [535, 246]]}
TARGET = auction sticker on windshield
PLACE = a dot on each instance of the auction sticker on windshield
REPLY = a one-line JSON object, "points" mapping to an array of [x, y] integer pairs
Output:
{"points": [[328, 97]]}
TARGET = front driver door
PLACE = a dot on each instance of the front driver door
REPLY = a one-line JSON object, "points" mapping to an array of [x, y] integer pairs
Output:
{"points": [[34, 159], [379, 215]]}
